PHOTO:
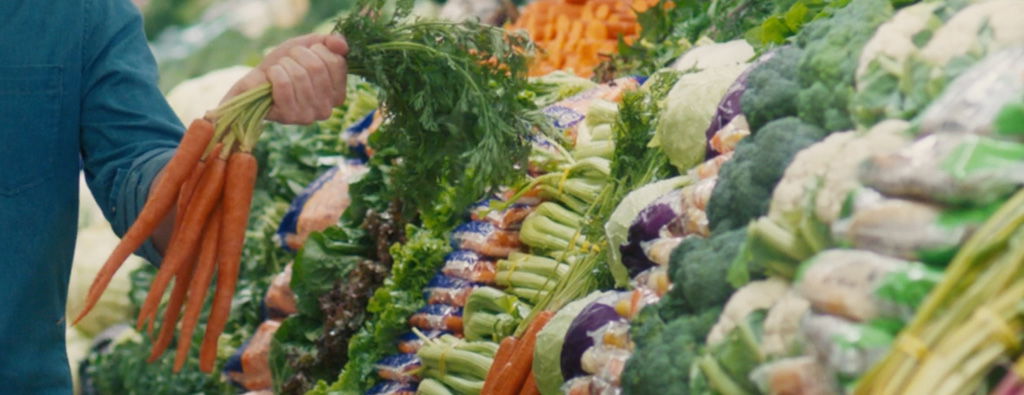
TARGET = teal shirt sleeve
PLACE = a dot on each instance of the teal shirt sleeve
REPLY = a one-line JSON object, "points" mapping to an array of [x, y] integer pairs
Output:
{"points": [[128, 131]]}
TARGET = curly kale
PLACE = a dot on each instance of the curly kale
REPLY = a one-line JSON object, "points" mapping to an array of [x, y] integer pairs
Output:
{"points": [[664, 352], [746, 182], [772, 88], [832, 49], [698, 269]]}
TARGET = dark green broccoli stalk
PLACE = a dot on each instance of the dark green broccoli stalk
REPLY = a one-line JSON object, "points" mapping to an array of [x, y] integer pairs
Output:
{"points": [[665, 352], [832, 49], [745, 183], [698, 268], [772, 88]]}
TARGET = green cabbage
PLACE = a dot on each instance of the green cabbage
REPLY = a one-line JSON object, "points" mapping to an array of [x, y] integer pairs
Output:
{"points": [[547, 366], [687, 113]]}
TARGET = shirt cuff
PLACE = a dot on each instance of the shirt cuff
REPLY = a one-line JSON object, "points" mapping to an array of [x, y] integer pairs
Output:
{"points": [[132, 197]]}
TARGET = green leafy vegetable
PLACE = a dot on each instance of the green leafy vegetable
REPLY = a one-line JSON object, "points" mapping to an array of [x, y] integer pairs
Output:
{"points": [[415, 262], [454, 117]]}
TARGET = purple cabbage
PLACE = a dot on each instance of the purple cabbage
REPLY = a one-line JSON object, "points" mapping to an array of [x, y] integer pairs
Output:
{"points": [[729, 107], [648, 226], [578, 337]]}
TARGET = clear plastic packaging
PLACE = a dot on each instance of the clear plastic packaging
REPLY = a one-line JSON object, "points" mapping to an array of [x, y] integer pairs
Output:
{"points": [[399, 368], [448, 290], [486, 239], [392, 388], [411, 342], [438, 317], [469, 266]]}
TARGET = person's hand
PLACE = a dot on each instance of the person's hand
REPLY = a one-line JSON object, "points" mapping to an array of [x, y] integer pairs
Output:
{"points": [[307, 74]]}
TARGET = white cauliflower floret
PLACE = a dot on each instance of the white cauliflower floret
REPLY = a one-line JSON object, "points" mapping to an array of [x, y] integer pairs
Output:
{"points": [[757, 295], [980, 28], [829, 168], [894, 40]]}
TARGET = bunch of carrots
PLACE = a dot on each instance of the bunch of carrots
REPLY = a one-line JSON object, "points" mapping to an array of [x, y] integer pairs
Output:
{"points": [[511, 372], [575, 34], [209, 182]]}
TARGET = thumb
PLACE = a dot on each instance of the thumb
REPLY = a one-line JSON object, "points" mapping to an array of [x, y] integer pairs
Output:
{"points": [[336, 43]]}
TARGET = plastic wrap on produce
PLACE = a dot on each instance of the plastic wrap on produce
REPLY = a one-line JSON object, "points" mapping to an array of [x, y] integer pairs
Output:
{"points": [[863, 286], [280, 300], [650, 225], [906, 229], [798, 375], [580, 336], [448, 290], [847, 348], [486, 239], [469, 266], [510, 217], [755, 296], [438, 317], [400, 368], [949, 168], [411, 342], [655, 280], [319, 206], [568, 114], [392, 388], [249, 367], [356, 135], [729, 120], [972, 101], [630, 303]]}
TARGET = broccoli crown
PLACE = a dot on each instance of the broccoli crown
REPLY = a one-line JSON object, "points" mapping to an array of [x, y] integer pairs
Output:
{"points": [[664, 352], [832, 49], [745, 183], [772, 88], [698, 268]]}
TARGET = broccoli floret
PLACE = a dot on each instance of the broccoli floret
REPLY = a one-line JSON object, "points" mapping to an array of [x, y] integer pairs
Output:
{"points": [[832, 49], [745, 183], [698, 268], [664, 352], [772, 88]]}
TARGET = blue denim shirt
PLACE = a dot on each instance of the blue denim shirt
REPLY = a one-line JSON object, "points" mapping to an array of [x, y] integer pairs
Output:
{"points": [[78, 91]]}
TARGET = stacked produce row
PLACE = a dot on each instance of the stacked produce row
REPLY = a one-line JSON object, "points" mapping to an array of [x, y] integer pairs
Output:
{"points": [[796, 197]]}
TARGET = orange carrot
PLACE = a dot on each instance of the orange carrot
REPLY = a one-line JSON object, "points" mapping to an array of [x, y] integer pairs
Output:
{"points": [[207, 195], [501, 358], [241, 179], [161, 199], [520, 364], [173, 310], [530, 386], [198, 287], [189, 187]]}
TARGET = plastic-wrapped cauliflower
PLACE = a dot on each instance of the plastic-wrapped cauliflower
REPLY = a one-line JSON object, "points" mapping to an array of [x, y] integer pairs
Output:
{"points": [[687, 112], [894, 41], [829, 168], [911, 58], [758, 295], [809, 198], [980, 29]]}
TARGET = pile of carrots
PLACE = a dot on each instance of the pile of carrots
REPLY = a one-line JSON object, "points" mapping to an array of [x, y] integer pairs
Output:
{"points": [[511, 372], [209, 182], [578, 34]]}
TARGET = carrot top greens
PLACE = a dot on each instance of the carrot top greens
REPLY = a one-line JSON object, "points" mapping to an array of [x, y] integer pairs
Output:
{"points": [[451, 94]]}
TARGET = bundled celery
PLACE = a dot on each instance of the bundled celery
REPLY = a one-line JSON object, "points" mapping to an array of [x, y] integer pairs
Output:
{"points": [[970, 321]]}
